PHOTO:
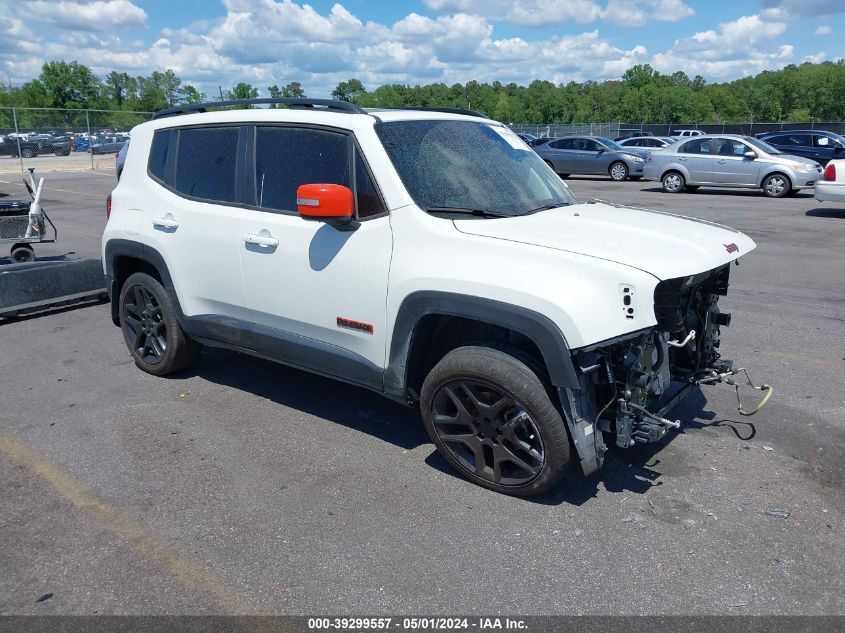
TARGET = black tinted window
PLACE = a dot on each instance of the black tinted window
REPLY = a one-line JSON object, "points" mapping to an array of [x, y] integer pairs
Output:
{"points": [[369, 202], [564, 143], [287, 157], [162, 147], [700, 146], [206, 164]]}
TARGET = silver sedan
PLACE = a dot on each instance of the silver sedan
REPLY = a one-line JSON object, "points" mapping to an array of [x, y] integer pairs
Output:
{"points": [[727, 160], [593, 155]]}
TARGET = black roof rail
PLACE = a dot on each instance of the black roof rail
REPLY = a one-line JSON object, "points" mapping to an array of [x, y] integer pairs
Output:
{"points": [[438, 109], [322, 104]]}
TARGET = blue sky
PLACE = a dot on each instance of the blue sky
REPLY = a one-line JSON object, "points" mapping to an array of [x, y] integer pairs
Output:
{"points": [[220, 42]]}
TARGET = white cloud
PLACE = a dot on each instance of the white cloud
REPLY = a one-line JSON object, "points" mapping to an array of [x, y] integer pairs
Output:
{"points": [[82, 15], [806, 7], [743, 46], [671, 11], [815, 59], [823, 30], [267, 41]]}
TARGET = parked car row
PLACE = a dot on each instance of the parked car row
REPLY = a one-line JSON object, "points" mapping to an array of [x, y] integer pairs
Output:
{"points": [[792, 161], [31, 144], [592, 155], [729, 160]]}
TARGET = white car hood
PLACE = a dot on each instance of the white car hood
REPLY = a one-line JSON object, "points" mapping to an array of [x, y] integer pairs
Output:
{"points": [[662, 244]]}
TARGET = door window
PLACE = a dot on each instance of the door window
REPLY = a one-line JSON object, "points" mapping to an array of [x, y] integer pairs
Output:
{"points": [[730, 147], [287, 157], [699, 146], [564, 143], [206, 164]]}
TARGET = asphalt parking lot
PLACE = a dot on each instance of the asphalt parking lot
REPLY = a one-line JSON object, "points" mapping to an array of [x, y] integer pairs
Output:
{"points": [[248, 487]]}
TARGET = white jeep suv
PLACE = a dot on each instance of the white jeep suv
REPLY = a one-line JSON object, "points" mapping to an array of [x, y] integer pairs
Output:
{"points": [[430, 256]]}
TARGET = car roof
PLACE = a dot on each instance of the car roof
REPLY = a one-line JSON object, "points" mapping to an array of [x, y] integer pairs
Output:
{"points": [[780, 132], [315, 116]]}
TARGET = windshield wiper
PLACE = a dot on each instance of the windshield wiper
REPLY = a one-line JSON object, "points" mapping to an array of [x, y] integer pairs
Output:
{"points": [[463, 210], [546, 207]]}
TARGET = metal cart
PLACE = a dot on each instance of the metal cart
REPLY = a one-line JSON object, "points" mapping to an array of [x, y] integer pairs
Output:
{"points": [[24, 223]]}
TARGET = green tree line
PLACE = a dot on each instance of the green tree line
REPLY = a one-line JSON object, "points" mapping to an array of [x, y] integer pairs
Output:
{"points": [[796, 93]]}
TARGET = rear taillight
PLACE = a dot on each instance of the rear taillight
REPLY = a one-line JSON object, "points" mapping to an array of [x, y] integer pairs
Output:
{"points": [[830, 172], [108, 206]]}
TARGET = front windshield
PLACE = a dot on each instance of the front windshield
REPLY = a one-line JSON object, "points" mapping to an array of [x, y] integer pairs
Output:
{"points": [[450, 164], [756, 142], [611, 144]]}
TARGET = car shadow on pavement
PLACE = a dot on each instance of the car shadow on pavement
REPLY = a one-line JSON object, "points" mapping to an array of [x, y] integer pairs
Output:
{"points": [[354, 407], [823, 212], [636, 470], [738, 192]]}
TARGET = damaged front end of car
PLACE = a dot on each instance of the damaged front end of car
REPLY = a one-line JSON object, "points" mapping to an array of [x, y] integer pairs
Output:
{"points": [[629, 384]]}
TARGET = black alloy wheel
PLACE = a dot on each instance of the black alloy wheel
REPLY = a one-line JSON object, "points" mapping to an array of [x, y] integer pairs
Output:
{"points": [[488, 432], [144, 326]]}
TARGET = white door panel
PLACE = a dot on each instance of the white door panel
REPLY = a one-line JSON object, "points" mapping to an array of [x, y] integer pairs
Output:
{"points": [[200, 243], [316, 274]]}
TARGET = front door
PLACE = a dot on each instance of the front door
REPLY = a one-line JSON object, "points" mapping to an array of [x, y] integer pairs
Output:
{"points": [[731, 166], [317, 293]]}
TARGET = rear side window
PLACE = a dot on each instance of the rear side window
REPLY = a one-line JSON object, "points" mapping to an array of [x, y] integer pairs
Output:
{"points": [[565, 143], [162, 149], [700, 146], [207, 163]]}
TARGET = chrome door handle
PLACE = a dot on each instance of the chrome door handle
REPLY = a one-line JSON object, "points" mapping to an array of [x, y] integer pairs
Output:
{"points": [[261, 240], [167, 223], [722, 161], [682, 158]]}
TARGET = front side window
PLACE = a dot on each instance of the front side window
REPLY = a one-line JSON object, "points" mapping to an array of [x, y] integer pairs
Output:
{"points": [[730, 147], [287, 157], [469, 165], [206, 164]]}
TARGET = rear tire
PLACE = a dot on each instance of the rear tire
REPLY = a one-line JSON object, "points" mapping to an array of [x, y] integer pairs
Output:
{"points": [[673, 182], [27, 153], [150, 328], [22, 253], [492, 419]]}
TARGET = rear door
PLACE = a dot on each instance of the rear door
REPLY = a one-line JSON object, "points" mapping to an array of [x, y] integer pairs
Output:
{"points": [[562, 155], [696, 156], [191, 217]]}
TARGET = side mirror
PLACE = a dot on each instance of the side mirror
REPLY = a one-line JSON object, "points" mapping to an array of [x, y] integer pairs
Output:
{"points": [[326, 203], [750, 154]]}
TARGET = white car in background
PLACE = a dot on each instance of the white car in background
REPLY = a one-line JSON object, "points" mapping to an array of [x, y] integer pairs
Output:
{"points": [[831, 188]]}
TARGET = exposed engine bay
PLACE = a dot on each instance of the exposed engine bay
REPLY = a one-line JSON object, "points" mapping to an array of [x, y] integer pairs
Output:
{"points": [[629, 384]]}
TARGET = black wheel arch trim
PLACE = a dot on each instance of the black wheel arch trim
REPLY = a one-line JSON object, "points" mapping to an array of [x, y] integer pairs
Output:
{"points": [[136, 250], [537, 327]]}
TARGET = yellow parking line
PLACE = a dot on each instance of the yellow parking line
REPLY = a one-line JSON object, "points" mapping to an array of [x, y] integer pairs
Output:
{"points": [[188, 572]]}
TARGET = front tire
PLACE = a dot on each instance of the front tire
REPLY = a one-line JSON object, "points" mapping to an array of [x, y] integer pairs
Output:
{"points": [[673, 182], [776, 186], [618, 171], [150, 327], [27, 153], [491, 418]]}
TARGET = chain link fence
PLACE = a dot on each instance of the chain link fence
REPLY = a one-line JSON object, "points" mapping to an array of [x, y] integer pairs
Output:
{"points": [[63, 139], [614, 130]]}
